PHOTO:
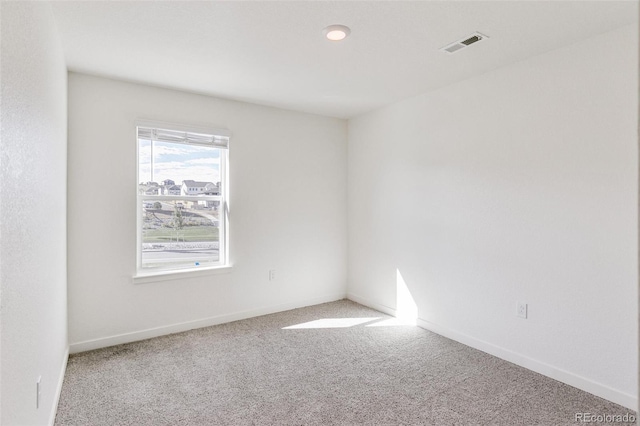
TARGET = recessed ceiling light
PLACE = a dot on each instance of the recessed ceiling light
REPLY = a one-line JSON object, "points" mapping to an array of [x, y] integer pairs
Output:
{"points": [[336, 32]]}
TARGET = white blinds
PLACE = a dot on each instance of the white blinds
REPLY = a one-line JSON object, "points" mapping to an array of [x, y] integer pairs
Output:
{"points": [[177, 136]]}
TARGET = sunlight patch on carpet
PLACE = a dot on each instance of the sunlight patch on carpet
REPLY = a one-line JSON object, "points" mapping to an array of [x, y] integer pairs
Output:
{"points": [[332, 323]]}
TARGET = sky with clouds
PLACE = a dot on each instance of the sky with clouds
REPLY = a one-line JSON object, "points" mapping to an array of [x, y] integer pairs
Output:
{"points": [[177, 162]]}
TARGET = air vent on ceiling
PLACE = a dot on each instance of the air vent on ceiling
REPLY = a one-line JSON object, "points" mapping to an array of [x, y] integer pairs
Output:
{"points": [[462, 43]]}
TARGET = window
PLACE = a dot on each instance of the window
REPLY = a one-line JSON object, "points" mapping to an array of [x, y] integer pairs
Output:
{"points": [[182, 192]]}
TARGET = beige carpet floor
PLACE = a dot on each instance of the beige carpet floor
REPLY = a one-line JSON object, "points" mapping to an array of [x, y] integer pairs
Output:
{"points": [[332, 364]]}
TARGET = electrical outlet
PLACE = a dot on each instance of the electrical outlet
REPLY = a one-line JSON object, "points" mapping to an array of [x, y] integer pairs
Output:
{"points": [[38, 391], [521, 310], [272, 275]]}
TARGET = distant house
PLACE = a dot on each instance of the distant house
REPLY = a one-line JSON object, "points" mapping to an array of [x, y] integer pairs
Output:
{"points": [[146, 189], [208, 204], [195, 205], [168, 182], [212, 189], [192, 187], [171, 190]]}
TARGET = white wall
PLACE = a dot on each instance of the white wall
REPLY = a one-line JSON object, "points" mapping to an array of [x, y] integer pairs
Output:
{"points": [[516, 185], [33, 181], [287, 209]]}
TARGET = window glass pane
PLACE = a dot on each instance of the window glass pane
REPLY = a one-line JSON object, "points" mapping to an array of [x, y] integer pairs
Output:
{"points": [[180, 234], [180, 221], [179, 162], [144, 159]]}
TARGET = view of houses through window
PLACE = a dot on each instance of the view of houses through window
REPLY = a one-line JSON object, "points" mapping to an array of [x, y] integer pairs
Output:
{"points": [[181, 199]]}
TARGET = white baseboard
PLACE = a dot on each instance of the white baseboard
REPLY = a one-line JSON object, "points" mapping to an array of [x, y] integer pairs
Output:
{"points": [[572, 379], [56, 398], [135, 336], [587, 385], [365, 302]]}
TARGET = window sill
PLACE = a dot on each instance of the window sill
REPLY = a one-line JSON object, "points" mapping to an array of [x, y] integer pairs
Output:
{"points": [[152, 277]]}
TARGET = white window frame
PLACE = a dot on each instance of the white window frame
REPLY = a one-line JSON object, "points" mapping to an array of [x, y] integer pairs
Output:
{"points": [[144, 275]]}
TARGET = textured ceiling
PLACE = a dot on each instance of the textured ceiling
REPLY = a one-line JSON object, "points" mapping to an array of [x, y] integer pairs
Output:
{"points": [[273, 53]]}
